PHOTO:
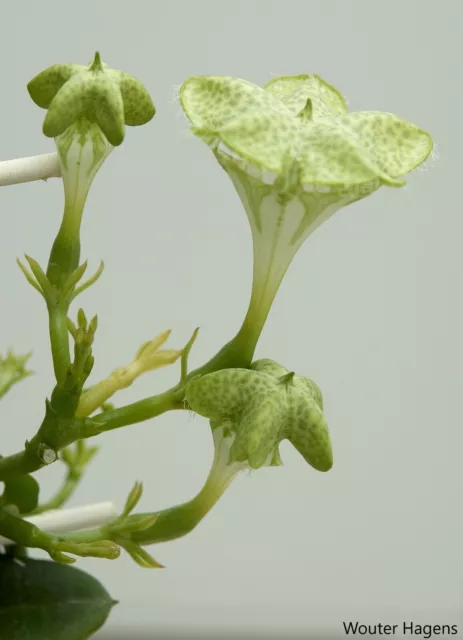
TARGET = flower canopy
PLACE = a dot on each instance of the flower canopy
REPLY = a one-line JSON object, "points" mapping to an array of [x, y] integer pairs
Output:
{"points": [[298, 127]]}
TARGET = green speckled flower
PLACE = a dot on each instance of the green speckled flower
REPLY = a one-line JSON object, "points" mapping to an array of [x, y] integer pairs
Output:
{"points": [[259, 407], [87, 110], [295, 156]]}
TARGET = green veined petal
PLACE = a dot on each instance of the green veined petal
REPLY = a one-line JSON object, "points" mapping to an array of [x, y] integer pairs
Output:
{"points": [[46, 84], [332, 154], [295, 90], [138, 106], [260, 430], [213, 102], [310, 436], [108, 111], [397, 145], [221, 393], [69, 104]]}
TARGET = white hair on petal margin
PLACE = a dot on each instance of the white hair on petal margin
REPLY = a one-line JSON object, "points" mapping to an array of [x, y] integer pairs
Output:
{"points": [[175, 100], [175, 97], [431, 160]]}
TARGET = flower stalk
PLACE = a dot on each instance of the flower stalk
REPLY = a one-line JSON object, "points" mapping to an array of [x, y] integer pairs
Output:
{"points": [[82, 149], [180, 520], [87, 110]]}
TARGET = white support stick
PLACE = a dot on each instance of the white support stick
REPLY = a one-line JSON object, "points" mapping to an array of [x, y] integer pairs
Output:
{"points": [[29, 169], [75, 519]]}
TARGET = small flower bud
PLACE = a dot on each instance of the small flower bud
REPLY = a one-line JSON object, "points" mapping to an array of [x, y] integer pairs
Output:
{"points": [[87, 110], [106, 97]]}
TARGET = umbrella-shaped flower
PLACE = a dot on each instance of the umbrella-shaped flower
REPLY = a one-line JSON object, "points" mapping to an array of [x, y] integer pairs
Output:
{"points": [[295, 156]]}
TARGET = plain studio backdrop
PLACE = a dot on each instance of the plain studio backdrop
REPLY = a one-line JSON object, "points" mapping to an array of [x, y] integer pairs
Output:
{"points": [[371, 309]]}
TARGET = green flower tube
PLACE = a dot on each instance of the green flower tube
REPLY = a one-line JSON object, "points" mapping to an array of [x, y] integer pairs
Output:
{"points": [[295, 156], [82, 149]]}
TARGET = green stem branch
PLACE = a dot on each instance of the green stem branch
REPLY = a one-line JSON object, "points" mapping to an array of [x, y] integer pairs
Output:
{"points": [[68, 488], [26, 461], [65, 252], [174, 522], [59, 340]]}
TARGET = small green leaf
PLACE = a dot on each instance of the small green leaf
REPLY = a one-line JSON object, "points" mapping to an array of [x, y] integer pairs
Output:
{"points": [[47, 83], [22, 491], [12, 370], [42, 599], [133, 499]]}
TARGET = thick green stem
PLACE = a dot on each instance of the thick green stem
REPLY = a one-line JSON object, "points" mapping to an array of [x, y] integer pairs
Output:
{"points": [[246, 339], [22, 532], [141, 410], [18, 464], [59, 340], [65, 252], [178, 521], [171, 523], [64, 260]]}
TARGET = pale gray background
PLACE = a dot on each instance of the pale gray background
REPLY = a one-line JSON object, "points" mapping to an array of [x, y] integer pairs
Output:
{"points": [[371, 309]]}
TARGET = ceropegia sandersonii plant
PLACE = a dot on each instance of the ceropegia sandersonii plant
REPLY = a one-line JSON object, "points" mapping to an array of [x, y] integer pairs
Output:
{"points": [[296, 156]]}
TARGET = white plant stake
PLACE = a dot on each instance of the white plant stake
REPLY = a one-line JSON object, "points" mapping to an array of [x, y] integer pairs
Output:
{"points": [[20, 170]]}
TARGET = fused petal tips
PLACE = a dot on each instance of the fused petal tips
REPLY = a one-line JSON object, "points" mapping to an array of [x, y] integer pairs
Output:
{"points": [[260, 407], [302, 122], [107, 97]]}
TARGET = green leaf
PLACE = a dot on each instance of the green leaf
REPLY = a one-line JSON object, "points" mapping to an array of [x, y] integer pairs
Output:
{"points": [[22, 491], [42, 599], [12, 370]]}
